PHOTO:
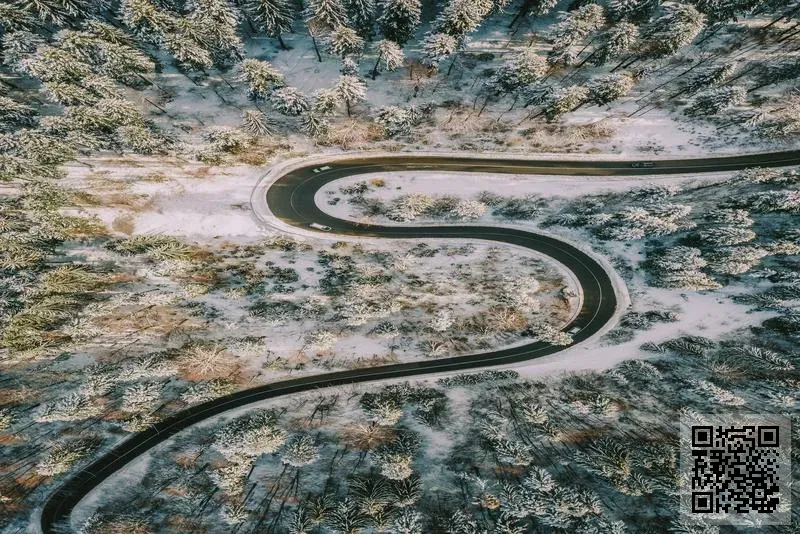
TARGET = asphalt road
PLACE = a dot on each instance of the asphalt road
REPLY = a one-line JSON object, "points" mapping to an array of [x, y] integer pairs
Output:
{"points": [[291, 198]]}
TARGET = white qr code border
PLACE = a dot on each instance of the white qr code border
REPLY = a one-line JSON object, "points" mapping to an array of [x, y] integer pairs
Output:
{"points": [[704, 483]]}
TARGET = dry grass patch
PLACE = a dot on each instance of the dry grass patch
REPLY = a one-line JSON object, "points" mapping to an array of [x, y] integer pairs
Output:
{"points": [[353, 133], [125, 223]]}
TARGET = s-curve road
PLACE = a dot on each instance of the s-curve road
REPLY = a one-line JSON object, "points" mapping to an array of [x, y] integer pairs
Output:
{"points": [[290, 198]]}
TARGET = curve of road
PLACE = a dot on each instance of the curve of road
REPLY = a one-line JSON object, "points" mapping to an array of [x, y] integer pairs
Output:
{"points": [[290, 198]]}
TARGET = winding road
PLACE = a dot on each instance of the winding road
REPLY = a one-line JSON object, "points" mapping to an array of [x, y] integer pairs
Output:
{"points": [[290, 198]]}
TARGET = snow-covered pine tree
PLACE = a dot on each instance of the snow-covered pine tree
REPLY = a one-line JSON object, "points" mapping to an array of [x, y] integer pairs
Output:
{"points": [[618, 40], [390, 53], [399, 19], [350, 90], [436, 48], [256, 122], [713, 101], [146, 19], [60, 12], [572, 29], [215, 22], [632, 10], [395, 120], [362, 16], [609, 88], [14, 115], [18, 45], [563, 100], [712, 78], [349, 67], [186, 50], [328, 14], [462, 17], [314, 124], [273, 17], [525, 68], [677, 27], [720, 11], [299, 450], [344, 41], [537, 8], [325, 102], [261, 77], [289, 101]]}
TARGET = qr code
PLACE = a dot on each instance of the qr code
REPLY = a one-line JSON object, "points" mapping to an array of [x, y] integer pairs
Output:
{"points": [[736, 470]]}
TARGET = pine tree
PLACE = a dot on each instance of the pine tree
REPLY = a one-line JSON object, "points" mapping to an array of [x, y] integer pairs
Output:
{"points": [[187, 51], [395, 120], [289, 101], [325, 102], [572, 29], [215, 21], [299, 451], [256, 122], [345, 41], [523, 69], [462, 17], [15, 115], [314, 124], [399, 19], [274, 17], [618, 40], [261, 77], [13, 19], [677, 27], [712, 78], [348, 67], [351, 90], [437, 47], [609, 88], [390, 53], [60, 12], [328, 14], [564, 100], [720, 11], [362, 16], [146, 19], [713, 101], [632, 10], [17, 46], [537, 8]]}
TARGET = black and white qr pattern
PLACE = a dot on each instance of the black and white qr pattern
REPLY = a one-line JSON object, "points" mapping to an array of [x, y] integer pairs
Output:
{"points": [[736, 471]]}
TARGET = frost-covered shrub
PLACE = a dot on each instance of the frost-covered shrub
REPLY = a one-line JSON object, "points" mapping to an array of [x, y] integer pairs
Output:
{"points": [[469, 379], [62, 456], [469, 209], [141, 397], [408, 207], [775, 201], [225, 139], [205, 391], [73, 407], [549, 334]]}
